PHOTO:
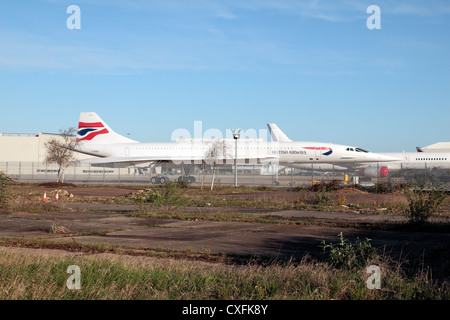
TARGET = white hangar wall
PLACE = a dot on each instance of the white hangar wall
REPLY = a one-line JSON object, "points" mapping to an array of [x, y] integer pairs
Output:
{"points": [[437, 147], [27, 147]]}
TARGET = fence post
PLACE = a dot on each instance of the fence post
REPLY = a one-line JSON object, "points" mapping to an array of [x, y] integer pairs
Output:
{"points": [[401, 173], [253, 175], [378, 176], [292, 176]]}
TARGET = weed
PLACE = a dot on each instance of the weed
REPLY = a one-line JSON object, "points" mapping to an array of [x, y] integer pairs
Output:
{"points": [[347, 255], [58, 229], [167, 195], [341, 200], [323, 199], [424, 198], [5, 181], [326, 186]]}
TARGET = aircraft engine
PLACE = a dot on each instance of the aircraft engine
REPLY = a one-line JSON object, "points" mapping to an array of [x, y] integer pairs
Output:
{"points": [[372, 172]]}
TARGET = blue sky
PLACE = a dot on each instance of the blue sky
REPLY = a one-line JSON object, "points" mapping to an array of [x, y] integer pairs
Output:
{"points": [[151, 67]]}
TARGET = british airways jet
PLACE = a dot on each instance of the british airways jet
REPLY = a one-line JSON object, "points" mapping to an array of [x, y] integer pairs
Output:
{"points": [[376, 169], [96, 138], [407, 161]]}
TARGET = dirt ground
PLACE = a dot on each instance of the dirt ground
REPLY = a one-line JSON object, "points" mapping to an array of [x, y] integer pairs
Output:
{"points": [[91, 216]]}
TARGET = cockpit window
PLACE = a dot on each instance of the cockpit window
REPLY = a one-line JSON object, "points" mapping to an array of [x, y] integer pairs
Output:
{"points": [[361, 150], [350, 149]]}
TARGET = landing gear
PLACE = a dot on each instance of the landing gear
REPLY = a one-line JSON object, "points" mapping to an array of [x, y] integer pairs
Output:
{"points": [[187, 179], [159, 179], [275, 181]]}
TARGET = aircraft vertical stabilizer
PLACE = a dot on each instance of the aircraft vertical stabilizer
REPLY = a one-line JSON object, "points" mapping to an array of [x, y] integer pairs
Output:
{"points": [[92, 129], [277, 134]]}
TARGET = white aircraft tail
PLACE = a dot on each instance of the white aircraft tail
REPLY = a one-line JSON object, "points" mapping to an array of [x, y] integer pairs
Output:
{"points": [[277, 134], [92, 129]]}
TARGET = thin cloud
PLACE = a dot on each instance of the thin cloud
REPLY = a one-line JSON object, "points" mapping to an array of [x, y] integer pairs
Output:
{"points": [[200, 41], [411, 9]]}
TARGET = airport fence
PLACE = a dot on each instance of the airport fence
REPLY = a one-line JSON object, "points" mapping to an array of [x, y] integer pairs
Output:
{"points": [[248, 175]]}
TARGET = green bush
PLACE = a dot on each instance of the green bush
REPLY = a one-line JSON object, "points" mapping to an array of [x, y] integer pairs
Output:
{"points": [[348, 255], [4, 183], [424, 197], [323, 199], [167, 195]]}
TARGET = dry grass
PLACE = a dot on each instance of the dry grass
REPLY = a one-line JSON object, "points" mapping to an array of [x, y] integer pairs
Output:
{"points": [[113, 277], [56, 228]]}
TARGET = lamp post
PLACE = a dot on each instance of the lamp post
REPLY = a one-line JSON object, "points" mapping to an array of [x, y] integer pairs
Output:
{"points": [[236, 136]]}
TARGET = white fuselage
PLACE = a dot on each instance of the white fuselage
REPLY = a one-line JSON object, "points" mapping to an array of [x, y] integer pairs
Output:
{"points": [[250, 150], [406, 161], [416, 160]]}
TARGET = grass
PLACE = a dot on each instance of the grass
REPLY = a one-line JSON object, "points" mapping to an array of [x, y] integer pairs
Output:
{"points": [[159, 273], [424, 200], [56, 228], [33, 207], [126, 278], [95, 248], [174, 196]]}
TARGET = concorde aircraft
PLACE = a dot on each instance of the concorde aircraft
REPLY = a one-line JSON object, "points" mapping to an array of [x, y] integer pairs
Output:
{"points": [[380, 169], [96, 138]]}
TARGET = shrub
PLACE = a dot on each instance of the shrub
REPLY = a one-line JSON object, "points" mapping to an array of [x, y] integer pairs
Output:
{"points": [[348, 255], [341, 200], [326, 186], [4, 183], [323, 199], [424, 198], [167, 195]]}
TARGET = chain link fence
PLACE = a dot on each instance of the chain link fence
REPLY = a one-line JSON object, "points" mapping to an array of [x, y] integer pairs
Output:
{"points": [[247, 175]]}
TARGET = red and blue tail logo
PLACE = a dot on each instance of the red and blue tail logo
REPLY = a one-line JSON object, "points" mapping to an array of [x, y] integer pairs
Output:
{"points": [[88, 131], [330, 151]]}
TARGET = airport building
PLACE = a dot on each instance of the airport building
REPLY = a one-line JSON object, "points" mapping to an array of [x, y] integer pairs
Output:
{"points": [[23, 155], [27, 147], [437, 147]]}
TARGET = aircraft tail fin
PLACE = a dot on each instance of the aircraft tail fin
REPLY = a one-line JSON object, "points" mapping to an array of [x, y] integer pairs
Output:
{"points": [[92, 129], [419, 149], [277, 134]]}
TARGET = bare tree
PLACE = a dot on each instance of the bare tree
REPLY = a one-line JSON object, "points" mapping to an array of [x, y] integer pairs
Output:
{"points": [[216, 154], [60, 151]]}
